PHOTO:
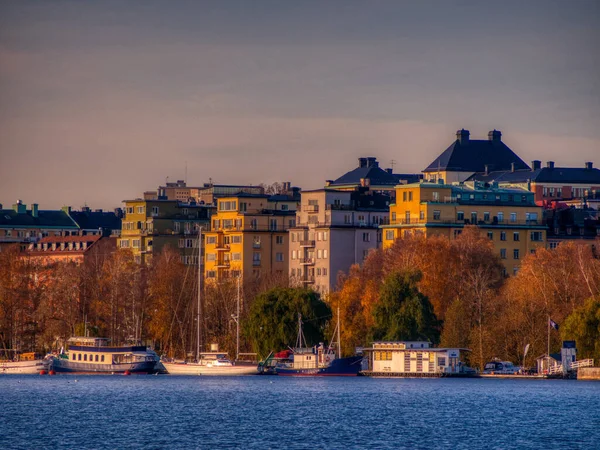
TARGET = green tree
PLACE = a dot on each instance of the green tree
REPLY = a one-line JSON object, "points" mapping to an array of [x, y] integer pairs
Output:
{"points": [[272, 322], [404, 313], [583, 326]]}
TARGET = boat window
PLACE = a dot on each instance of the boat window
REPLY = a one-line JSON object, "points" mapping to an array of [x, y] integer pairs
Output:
{"points": [[96, 358], [79, 356], [85, 357], [102, 358]]}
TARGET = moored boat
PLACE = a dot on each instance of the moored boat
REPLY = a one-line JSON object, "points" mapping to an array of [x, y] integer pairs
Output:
{"points": [[21, 367], [94, 355], [213, 363]]}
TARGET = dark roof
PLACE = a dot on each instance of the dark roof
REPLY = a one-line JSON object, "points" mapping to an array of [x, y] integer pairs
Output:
{"points": [[57, 219], [473, 155], [574, 175], [94, 220], [369, 169], [284, 198]]}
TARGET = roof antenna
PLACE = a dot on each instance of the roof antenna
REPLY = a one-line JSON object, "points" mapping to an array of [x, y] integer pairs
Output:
{"points": [[393, 163], [185, 178]]}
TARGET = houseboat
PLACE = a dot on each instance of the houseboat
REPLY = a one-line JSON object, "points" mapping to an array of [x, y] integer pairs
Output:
{"points": [[414, 359], [94, 355]]}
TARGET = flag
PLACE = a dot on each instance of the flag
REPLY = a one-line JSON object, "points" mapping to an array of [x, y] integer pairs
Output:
{"points": [[553, 324], [526, 350]]}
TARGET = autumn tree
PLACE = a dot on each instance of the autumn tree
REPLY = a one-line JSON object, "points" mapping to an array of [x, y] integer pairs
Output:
{"points": [[583, 326]]}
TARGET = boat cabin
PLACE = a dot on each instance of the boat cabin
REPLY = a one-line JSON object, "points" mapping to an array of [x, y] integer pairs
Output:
{"points": [[413, 357], [313, 357], [96, 350]]}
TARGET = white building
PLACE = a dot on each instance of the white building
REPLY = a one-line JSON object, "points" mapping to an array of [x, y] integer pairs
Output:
{"points": [[413, 358]]}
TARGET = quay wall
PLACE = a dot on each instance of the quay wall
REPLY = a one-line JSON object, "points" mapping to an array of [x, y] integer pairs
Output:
{"points": [[588, 373]]}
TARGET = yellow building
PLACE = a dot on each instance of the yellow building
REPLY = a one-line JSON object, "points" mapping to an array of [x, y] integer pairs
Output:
{"points": [[509, 217], [249, 236], [150, 225]]}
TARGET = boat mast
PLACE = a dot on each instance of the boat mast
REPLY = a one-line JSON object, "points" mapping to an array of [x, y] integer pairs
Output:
{"points": [[199, 306], [339, 355], [237, 323]]}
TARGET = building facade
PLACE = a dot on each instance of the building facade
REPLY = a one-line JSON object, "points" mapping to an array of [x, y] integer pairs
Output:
{"points": [[508, 217], [150, 225], [249, 236], [334, 230], [74, 249]]}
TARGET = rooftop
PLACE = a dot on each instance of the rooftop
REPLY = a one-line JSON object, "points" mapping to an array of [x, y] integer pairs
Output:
{"points": [[368, 169]]}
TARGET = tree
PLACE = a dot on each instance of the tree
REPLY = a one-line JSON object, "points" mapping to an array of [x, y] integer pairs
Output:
{"points": [[404, 313], [272, 323], [583, 326]]}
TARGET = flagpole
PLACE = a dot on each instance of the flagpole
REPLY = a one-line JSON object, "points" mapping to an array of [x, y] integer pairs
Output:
{"points": [[548, 344]]}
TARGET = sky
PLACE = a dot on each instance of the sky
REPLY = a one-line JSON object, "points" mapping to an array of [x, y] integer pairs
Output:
{"points": [[101, 101]]}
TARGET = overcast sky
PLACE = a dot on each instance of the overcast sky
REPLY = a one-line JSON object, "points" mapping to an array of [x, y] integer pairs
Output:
{"points": [[100, 101]]}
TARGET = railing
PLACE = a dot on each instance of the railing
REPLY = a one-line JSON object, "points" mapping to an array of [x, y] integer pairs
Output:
{"points": [[328, 224], [574, 366], [307, 261], [307, 243], [308, 280], [505, 223], [222, 248], [222, 265], [256, 263], [311, 208]]}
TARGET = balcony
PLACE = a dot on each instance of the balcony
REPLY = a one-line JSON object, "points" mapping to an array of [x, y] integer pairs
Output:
{"points": [[307, 243], [222, 265], [222, 248], [256, 263], [256, 245], [311, 208], [307, 262], [309, 280], [496, 223]]}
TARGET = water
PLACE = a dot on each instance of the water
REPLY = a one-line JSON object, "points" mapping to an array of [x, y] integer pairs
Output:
{"points": [[84, 412]]}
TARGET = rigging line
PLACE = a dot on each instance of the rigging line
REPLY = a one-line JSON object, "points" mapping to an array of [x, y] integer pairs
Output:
{"points": [[177, 307]]}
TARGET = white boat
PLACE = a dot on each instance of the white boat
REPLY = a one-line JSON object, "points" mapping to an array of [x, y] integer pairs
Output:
{"points": [[21, 367], [212, 363]]}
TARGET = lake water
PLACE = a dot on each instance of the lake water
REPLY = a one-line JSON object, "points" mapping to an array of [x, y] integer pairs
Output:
{"points": [[116, 412]]}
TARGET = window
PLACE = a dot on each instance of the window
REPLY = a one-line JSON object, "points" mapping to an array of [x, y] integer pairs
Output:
{"points": [[325, 254], [189, 243], [436, 196], [502, 253], [474, 217], [96, 359], [211, 239], [216, 224], [324, 272], [503, 235], [135, 243], [254, 224], [421, 215], [531, 217], [460, 215], [366, 237], [279, 240], [389, 235], [490, 235], [102, 358], [294, 254], [513, 217], [319, 271], [124, 243], [404, 196], [130, 210], [85, 356], [319, 254], [500, 217], [537, 236], [293, 237], [486, 216], [437, 214], [236, 256], [256, 259], [155, 210], [515, 270], [236, 239], [293, 272], [273, 225], [210, 274], [325, 235], [211, 256], [140, 209], [228, 206], [365, 254], [256, 242], [184, 211], [410, 196], [279, 257], [516, 253], [393, 217], [516, 236]]}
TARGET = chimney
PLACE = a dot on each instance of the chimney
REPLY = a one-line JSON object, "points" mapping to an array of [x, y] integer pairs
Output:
{"points": [[389, 170], [589, 165], [66, 209], [550, 164], [34, 210], [495, 136], [536, 164], [1, 207], [512, 166], [20, 207], [372, 162], [329, 182], [362, 162], [463, 136]]}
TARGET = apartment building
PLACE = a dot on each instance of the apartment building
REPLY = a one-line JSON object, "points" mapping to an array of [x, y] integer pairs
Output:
{"points": [[334, 229], [150, 225], [508, 217], [205, 194], [249, 236]]}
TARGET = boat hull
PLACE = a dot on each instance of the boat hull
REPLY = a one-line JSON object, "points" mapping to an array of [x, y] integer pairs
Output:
{"points": [[202, 369], [65, 366], [341, 367], [21, 367]]}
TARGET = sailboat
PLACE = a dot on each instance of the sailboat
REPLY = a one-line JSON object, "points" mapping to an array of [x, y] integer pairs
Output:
{"points": [[319, 360], [210, 363]]}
